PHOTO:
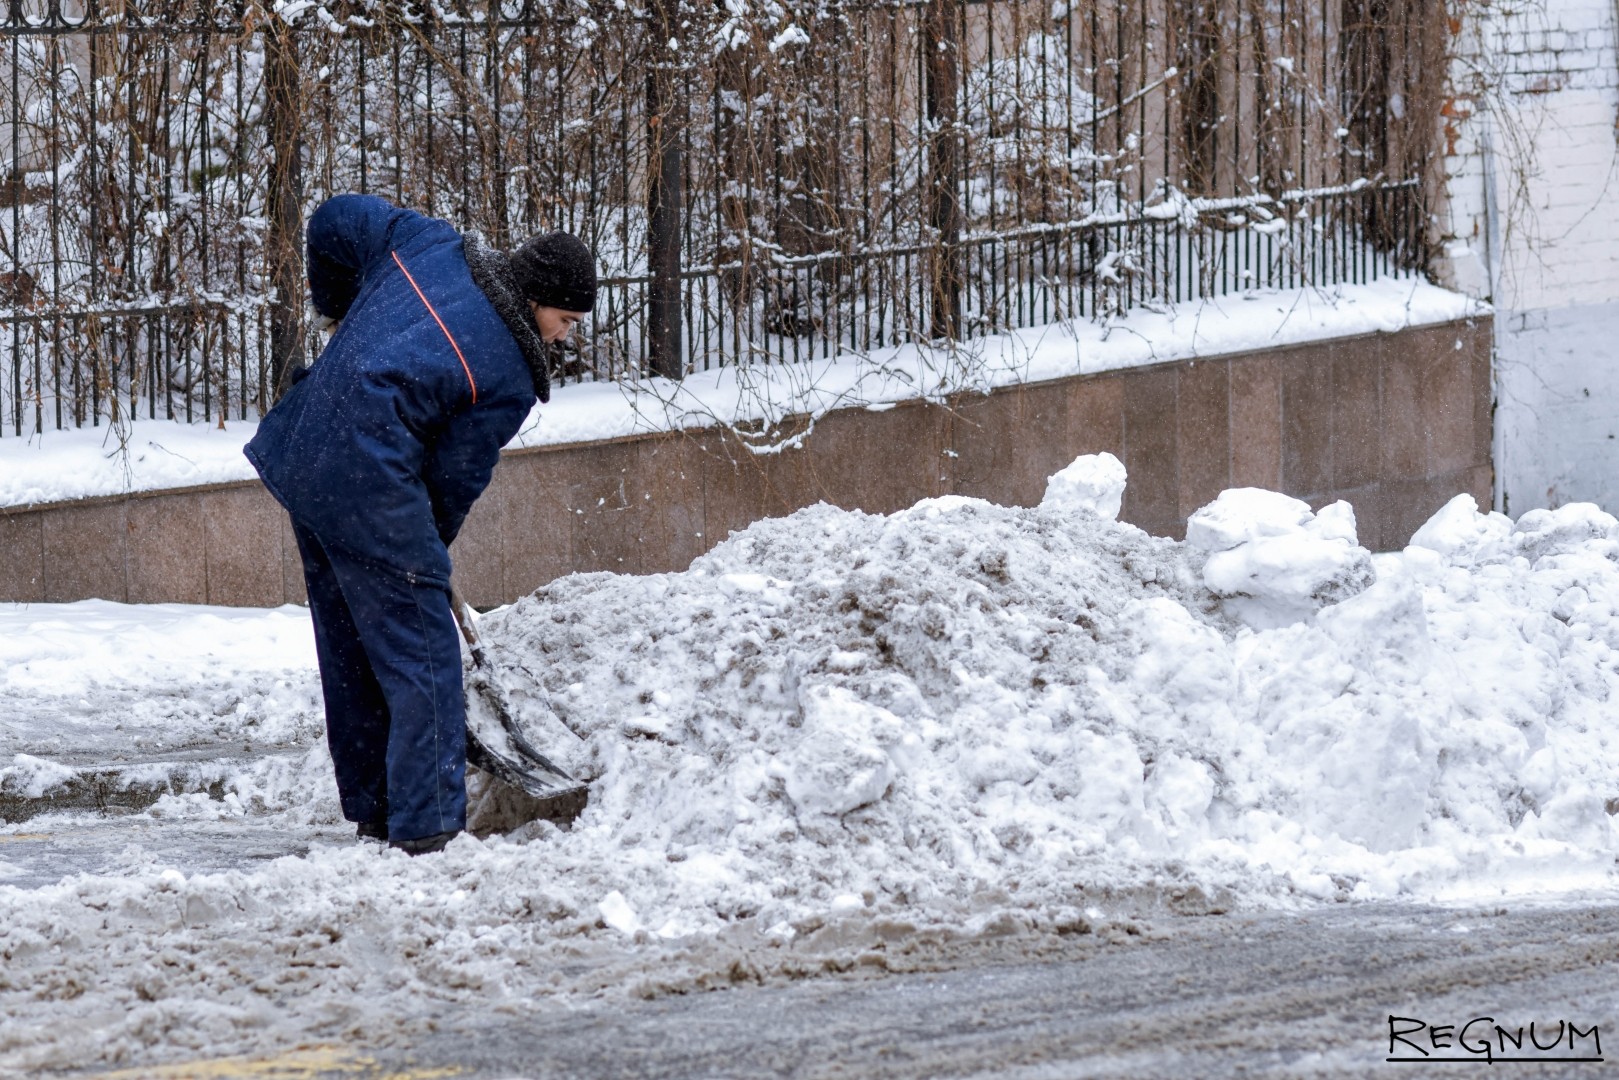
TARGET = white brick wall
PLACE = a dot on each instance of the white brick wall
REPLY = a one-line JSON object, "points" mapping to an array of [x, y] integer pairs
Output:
{"points": [[1531, 222], [1535, 98]]}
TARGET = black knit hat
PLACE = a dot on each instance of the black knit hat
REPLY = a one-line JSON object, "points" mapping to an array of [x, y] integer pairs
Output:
{"points": [[556, 270]]}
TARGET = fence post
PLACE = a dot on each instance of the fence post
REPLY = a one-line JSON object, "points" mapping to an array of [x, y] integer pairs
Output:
{"points": [[283, 251], [665, 352], [942, 42]]}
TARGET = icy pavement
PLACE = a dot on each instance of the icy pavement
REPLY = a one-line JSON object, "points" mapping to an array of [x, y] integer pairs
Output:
{"points": [[60, 846], [836, 732], [1282, 995]]}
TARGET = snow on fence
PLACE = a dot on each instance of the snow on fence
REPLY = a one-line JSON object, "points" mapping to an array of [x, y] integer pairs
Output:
{"points": [[761, 182]]}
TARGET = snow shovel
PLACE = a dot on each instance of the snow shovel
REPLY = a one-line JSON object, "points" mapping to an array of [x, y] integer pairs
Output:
{"points": [[495, 742]]}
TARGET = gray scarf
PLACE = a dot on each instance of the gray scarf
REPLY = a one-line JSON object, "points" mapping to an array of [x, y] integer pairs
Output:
{"points": [[492, 272]]}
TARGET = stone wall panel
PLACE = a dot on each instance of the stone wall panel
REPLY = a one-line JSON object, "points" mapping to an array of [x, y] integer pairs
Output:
{"points": [[1395, 424]]}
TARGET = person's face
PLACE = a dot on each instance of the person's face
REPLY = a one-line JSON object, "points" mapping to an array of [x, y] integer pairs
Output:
{"points": [[554, 323]]}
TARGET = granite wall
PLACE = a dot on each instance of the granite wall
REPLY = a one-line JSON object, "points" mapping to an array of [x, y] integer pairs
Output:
{"points": [[1395, 423]]}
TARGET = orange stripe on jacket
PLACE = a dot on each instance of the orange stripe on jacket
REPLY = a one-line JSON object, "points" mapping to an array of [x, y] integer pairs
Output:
{"points": [[441, 325]]}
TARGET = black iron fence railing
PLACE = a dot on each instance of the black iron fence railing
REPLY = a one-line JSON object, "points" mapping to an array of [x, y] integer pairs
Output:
{"points": [[761, 182]]}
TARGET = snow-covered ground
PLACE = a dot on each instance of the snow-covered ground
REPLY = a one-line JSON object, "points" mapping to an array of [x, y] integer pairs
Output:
{"points": [[834, 730], [152, 455]]}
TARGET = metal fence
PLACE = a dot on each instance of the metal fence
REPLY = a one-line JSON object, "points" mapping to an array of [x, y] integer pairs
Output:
{"points": [[761, 183]]}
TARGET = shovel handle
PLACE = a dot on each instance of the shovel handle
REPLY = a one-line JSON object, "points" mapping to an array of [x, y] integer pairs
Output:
{"points": [[465, 620]]}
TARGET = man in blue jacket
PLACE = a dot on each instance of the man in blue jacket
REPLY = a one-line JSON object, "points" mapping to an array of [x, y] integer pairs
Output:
{"points": [[378, 451]]}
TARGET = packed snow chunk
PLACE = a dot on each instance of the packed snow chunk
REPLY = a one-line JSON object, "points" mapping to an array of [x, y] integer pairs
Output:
{"points": [[838, 763], [617, 913], [1565, 530], [1463, 535], [30, 777], [1576, 816], [1362, 769], [1093, 482], [1181, 791], [1384, 630], [1239, 515], [1274, 562], [941, 504]]}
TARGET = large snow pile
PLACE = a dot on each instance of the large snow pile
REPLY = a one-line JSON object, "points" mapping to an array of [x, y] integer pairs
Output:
{"points": [[959, 715], [966, 699]]}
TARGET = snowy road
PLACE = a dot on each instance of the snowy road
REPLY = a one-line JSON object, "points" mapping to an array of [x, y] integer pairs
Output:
{"points": [[1227, 996], [1253, 996]]}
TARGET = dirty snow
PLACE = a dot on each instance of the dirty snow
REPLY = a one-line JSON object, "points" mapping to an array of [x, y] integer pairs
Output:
{"points": [[839, 730], [152, 455], [153, 678]]}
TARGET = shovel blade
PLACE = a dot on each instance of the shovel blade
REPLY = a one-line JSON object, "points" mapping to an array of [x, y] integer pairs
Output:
{"points": [[554, 796]]}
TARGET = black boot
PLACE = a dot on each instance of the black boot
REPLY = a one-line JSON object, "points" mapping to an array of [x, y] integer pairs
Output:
{"points": [[372, 830], [425, 845]]}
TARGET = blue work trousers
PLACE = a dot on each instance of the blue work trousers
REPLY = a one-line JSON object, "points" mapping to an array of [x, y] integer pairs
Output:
{"points": [[390, 671]]}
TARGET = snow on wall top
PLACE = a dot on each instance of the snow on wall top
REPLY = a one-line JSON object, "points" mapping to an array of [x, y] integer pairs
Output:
{"points": [[159, 455]]}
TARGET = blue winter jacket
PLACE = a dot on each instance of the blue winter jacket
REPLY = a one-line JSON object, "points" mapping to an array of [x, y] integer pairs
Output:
{"points": [[385, 442]]}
